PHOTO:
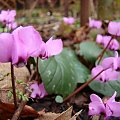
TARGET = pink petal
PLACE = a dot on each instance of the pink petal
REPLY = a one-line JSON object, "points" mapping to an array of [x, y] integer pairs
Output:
{"points": [[107, 62], [112, 74], [68, 20], [7, 16], [31, 39], [91, 22], [114, 45], [99, 39], [20, 55], [6, 47], [71, 20], [113, 28], [97, 24], [96, 70], [3, 15], [112, 107], [11, 26], [27, 43], [36, 91], [65, 19], [96, 106], [11, 15], [43, 91], [106, 40], [54, 47], [116, 61]]}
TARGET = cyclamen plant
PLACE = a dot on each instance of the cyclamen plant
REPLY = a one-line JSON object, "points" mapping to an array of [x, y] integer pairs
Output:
{"points": [[104, 40], [24, 42], [111, 64]]}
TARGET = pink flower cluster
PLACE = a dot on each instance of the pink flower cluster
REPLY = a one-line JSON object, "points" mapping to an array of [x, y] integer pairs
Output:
{"points": [[8, 18], [110, 65], [95, 23], [109, 107], [69, 20], [25, 42], [113, 64], [104, 40]]}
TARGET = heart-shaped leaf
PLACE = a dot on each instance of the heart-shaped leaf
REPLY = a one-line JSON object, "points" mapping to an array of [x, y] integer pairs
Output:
{"points": [[61, 73], [107, 88], [90, 51]]}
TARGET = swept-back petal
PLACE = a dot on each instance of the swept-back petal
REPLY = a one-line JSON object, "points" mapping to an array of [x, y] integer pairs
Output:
{"points": [[54, 47], [31, 39], [113, 28], [96, 106], [6, 46]]}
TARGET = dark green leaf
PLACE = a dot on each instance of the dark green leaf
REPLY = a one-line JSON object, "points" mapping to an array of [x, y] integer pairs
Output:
{"points": [[61, 73], [107, 88], [90, 50]]}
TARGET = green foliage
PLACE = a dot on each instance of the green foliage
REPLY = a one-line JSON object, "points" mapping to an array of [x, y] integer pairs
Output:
{"points": [[90, 51], [64, 29], [61, 73], [107, 88], [9, 94], [108, 9], [94, 32]]}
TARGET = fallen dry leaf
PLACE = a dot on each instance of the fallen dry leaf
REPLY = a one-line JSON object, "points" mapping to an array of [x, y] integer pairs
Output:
{"points": [[66, 115], [7, 111], [48, 116], [76, 115]]}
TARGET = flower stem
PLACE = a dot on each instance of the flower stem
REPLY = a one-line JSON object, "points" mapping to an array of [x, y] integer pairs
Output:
{"points": [[83, 86], [37, 74], [38, 77], [13, 86], [104, 50]]}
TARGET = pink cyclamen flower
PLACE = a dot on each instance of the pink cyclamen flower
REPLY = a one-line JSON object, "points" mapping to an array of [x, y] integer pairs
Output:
{"points": [[104, 40], [38, 90], [69, 20], [95, 23], [11, 26], [113, 62], [108, 108], [7, 16], [114, 28], [107, 75], [25, 42]]}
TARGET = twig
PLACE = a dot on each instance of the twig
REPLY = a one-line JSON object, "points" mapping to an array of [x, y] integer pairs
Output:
{"points": [[83, 86], [19, 110], [22, 104]]}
